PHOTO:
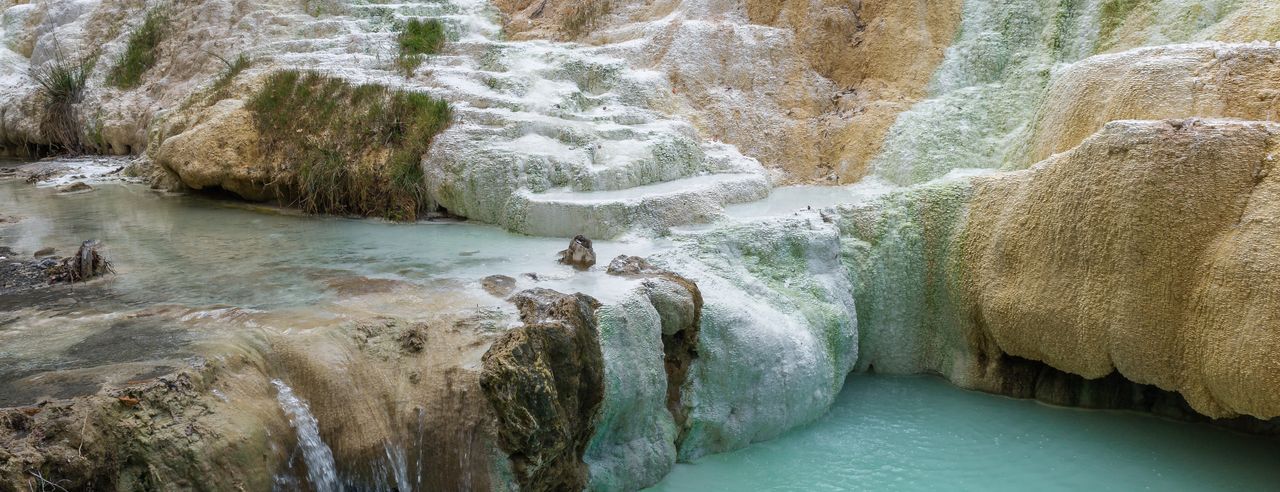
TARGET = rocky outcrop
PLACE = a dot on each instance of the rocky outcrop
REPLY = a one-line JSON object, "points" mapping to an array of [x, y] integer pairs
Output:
{"points": [[806, 87], [1210, 80], [678, 302], [218, 150], [167, 433], [544, 381], [579, 254], [995, 77], [1144, 253]]}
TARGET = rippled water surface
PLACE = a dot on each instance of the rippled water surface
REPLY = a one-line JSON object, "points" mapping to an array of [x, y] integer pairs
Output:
{"points": [[920, 433]]}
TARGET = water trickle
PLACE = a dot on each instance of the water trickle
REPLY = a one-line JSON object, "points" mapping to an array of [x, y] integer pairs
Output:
{"points": [[322, 473]]}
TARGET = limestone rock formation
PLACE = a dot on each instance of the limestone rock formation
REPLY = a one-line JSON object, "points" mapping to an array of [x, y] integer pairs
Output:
{"points": [[678, 302], [219, 149], [1144, 252], [164, 433], [806, 87], [1147, 250], [1209, 80], [579, 254], [544, 381]]}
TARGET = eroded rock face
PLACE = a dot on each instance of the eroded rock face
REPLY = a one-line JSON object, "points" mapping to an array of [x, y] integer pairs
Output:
{"points": [[161, 434], [544, 381], [1149, 249], [678, 302], [1146, 253], [220, 150]]}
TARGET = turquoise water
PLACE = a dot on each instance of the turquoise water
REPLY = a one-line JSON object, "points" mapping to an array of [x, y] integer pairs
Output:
{"points": [[921, 433]]}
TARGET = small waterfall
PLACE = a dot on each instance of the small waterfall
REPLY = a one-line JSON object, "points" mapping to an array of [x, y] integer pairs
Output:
{"points": [[321, 470]]}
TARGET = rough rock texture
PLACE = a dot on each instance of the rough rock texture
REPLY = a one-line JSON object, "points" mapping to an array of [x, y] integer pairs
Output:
{"points": [[983, 100], [406, 411], [1211, 80], [809, 87], [1146, 252], [544, 381], [162, 434], [649, 340], [219, 149], [116, 121], [579, 254]]}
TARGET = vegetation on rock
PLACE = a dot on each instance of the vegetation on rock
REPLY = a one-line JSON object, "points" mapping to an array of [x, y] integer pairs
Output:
{"points": [[140, 53], [417, 39], [229, 74], [62, 84], [344, 149]]}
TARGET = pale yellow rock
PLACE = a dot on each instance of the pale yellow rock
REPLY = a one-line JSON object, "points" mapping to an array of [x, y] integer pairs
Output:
{"points": [[1211, 80], [221, 150], [1151, 249]]}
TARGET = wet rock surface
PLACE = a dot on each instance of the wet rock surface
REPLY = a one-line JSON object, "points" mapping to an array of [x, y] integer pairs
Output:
{"points": [[544, 381], [75, 187], [498, 285], [149, 435], [579, 254], [679, 304], [23, 275]]}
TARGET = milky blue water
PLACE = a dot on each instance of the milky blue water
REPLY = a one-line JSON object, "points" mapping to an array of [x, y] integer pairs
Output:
{"points": [[922, 434]]}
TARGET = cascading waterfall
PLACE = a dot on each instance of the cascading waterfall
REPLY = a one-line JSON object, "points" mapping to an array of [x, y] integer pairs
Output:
{"points": [[322, 472]]}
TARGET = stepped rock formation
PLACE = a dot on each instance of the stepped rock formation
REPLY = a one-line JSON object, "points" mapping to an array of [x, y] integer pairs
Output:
{"points": [[1211, 80], [1128, 256], [806, 87]]}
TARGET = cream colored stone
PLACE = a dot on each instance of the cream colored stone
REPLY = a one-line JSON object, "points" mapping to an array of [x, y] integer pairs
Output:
{"points": [[1205, 80], [1150, 249], [220, 150]]}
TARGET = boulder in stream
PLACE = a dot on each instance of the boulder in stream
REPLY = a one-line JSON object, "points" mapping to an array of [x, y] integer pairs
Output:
{"points": [[579, 254], [75, 187]]}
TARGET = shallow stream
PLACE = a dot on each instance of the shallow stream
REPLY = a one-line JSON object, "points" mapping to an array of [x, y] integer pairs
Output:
{"points": [[191, 268]]}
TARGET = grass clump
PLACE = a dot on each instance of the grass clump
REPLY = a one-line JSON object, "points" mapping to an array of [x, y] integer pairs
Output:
{"points": [[62, 84], [583, 15], [140, 52], [347, 150], [229, 74], [417, 39]]}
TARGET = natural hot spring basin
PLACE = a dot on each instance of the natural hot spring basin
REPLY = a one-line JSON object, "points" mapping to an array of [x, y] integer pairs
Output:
{"points": [[921, 433]]}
